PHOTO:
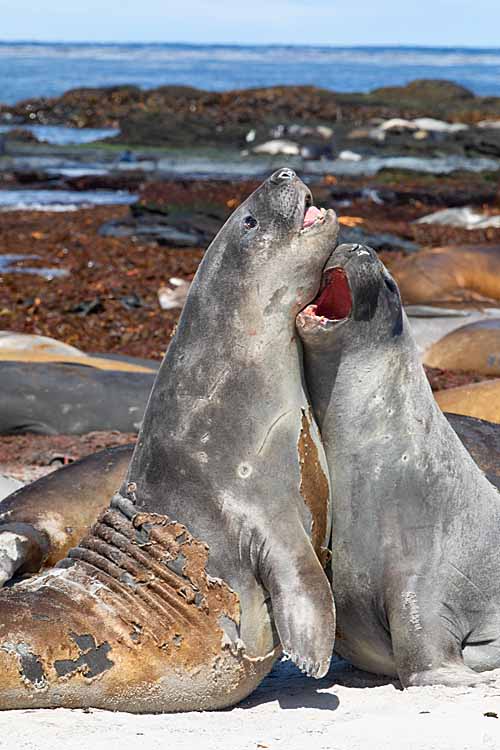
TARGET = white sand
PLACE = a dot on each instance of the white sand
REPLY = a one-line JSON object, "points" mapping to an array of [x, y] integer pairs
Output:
{"points": [[349, 710]]}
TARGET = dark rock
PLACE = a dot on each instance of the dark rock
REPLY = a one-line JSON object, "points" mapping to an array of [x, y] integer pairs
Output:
{"points": [[19, 135], [147, 229], [480, 141], [88, 307], [179, 116], [131, 301], [425, 89]]}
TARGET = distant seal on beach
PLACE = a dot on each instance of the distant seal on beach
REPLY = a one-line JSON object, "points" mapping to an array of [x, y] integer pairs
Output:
{"points": [[50, 388], [415, 554], [209, 556], [468, 273], [471, 348], [49, 398], [430, 323], [480, 400], [25, 347]]}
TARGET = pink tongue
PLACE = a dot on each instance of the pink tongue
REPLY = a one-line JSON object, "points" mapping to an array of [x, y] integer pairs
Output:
{"points": [[312, 214]]}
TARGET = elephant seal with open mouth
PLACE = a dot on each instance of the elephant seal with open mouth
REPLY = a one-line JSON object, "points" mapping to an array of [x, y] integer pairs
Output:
{"points": [[415, 553], [209, 556]]}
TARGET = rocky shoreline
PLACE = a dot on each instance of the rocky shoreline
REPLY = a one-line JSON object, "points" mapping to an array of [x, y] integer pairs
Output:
{"points": [[185, 159], [317, 121]]}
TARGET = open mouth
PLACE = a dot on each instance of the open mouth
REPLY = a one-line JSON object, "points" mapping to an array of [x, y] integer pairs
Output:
{"points": [[334, 302], [312, 215]]}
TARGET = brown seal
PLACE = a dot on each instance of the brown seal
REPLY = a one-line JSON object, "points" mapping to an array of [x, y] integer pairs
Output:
{"points": [[466, 273], [480, 400], [41, 522], [471, 348]]}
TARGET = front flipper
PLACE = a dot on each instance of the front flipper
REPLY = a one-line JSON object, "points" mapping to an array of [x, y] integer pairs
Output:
{"points": [[302, 602], [22, 548]]}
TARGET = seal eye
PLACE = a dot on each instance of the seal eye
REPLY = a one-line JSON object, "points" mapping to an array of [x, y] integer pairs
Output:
{"points": [[249, 222], [390, 284]]}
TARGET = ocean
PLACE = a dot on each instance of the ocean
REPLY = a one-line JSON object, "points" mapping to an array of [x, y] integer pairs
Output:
{"points": [[29, 69]]}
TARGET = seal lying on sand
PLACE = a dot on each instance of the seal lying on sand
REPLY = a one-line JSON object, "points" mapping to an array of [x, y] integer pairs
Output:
{"points": [[480, 400], [415, 553], [450, 274], [482, 440], [430, 323], [51, 388], [170, 602], [471, 348], [70, 399]]}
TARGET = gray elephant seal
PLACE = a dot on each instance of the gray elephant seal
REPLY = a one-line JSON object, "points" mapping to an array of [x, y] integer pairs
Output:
{"points": [[52, 398], [415, 554], [50, 388], [179, 596]]}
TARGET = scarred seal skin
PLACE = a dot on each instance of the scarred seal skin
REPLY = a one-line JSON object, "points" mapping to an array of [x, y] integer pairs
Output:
{"points": [[208, 559], [415, 554]]}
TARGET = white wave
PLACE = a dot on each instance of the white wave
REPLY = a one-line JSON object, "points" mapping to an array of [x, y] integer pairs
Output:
{"points": [[61, 200], [61, 135], [321, 55]]}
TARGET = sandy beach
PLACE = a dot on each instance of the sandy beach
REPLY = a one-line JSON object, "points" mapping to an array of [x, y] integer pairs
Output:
{"points": [[348, 710]]}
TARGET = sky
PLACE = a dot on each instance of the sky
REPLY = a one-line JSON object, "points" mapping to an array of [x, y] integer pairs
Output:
{"points": [[351, 22]]}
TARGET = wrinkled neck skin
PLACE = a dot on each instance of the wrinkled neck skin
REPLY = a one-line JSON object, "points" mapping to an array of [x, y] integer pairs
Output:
{"points": [[222, 425]]}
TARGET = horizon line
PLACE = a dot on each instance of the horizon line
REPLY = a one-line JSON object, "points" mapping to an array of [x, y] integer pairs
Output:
{"points": [[376, 45]]}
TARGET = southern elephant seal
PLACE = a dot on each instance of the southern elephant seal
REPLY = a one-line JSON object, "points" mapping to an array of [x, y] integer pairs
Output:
{"points": [[51, 388], [482, 440], [180, 594], [471, 348], [26, 347], [415, 554], [52, 398], [479, 400], [466, 273], [430, 323]]}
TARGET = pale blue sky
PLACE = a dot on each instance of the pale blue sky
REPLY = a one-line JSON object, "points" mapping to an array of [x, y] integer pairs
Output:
{"points": [[351, 22]]}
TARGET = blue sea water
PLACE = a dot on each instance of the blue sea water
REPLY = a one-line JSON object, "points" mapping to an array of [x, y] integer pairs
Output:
{"points": [[29, 69]]}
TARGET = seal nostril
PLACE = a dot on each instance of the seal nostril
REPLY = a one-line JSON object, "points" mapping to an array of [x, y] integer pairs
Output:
{"points": [[284, 175]]}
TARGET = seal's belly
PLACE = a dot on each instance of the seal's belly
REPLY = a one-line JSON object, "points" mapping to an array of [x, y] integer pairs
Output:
{"points": [[363, 636], [361, 641], [130, 622]]}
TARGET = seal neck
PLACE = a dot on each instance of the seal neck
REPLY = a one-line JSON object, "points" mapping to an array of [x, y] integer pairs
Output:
{"points": [[386, 440], [360, 388]]}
